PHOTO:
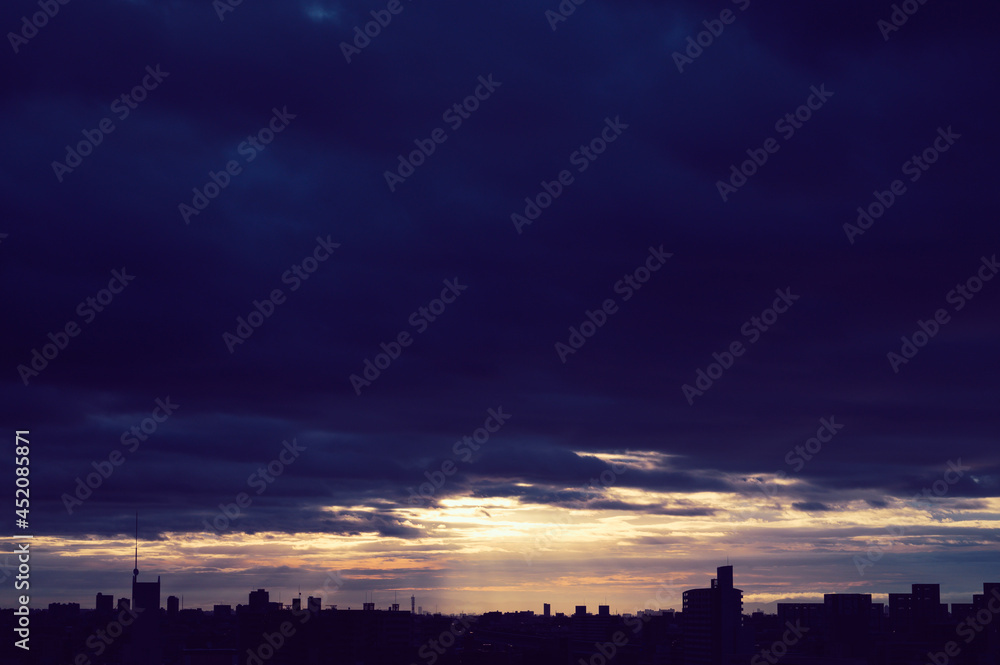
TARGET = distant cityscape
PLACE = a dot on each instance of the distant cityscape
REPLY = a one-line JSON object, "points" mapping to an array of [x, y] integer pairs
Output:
{"points": [[711, 628]]}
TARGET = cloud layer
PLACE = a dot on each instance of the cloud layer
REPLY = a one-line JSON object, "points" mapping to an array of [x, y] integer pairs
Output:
{"points": [[607, 462]]}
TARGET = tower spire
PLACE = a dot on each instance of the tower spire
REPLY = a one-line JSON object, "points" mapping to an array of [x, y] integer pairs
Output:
{"points": [[135, 571]]}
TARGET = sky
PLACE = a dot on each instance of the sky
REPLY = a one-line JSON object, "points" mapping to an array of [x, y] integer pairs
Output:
{"points": [[501, 305]]}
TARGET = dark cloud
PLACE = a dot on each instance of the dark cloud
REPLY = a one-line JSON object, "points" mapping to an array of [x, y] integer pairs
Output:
{"points": [[811, 506], [322, 179]]}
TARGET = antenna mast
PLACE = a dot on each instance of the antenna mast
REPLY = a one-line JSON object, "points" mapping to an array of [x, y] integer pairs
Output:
{"points": [[135, 571]]}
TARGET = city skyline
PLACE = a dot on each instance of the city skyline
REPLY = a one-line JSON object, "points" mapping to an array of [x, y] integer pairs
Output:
{"points": [[913, 627], [499, 304], [395, 605], [332, 593]]}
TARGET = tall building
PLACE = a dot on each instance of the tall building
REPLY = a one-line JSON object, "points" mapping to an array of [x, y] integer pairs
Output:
{"points": [[849, 625], [146, 632], [980, 603], [713, 623], [413, 604], [917, 611], [259, 600], [146, 596], [173, 606], [547, 610]]}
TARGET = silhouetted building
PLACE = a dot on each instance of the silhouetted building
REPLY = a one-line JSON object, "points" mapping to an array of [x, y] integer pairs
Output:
{"points": [[960, 611], [713, 622], [259, 600], [547, 609], [105, 604], [880, 620], [991, 590], [986, 607], [146, 596], [65, 611], [173, 606], [146, 629], [314, 604], [845, 629], [145, 633], [849, 631], [808, 615], [917, 611]]}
